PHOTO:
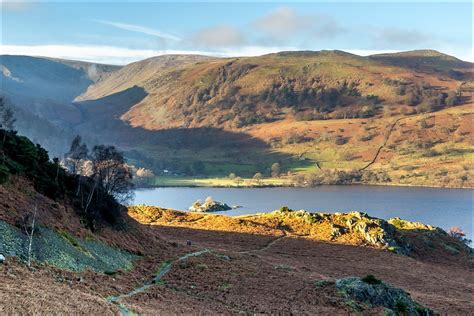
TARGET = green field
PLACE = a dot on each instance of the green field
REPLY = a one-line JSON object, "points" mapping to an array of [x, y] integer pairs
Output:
{"points": [[170, 181]]}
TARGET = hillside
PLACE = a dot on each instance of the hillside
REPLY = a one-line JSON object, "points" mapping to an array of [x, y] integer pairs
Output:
{"points": [[310, 111], [145, 259], [238, 92], [41, 91], [380, 119]]}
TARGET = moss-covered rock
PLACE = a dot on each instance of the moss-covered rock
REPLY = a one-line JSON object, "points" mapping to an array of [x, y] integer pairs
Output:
{"points": [[374, 293]]}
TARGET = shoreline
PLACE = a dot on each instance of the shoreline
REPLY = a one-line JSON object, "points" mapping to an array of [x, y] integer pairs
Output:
{"points": [[401, 185]]}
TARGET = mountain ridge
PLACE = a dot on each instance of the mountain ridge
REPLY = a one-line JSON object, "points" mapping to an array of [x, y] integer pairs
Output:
{"points": [[329, 98]]}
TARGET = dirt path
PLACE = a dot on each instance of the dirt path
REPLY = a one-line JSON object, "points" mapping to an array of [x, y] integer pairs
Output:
{"points": [[164, 269], [267, 246]]}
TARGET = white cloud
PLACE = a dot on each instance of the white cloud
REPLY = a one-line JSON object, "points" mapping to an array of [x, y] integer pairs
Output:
{"points": [[284, 23], [100, 54], [368, 52], [122, 56], [397, 36], [141, 29], [218, 36], [15, 5]]}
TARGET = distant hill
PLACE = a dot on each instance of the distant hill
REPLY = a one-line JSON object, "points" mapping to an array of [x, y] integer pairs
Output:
{"points": [[42, 89], [207, 116], [237, 92]]}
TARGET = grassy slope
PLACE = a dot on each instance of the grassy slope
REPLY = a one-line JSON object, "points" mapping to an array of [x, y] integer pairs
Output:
{"points": [[173, 83]]}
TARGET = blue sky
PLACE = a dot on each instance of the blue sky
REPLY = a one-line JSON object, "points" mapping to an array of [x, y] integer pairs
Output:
{"points": [[122, 32]]}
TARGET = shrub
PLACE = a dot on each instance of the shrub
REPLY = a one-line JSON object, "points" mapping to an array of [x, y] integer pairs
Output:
{"points": [[459, 234], [347, 156], [400, 307], [276, 169], [370, 279], [367, 137], [452, 99], [340, 140]]}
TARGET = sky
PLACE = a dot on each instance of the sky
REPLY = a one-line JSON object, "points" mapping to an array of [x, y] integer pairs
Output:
{"points": [[122, 32]]}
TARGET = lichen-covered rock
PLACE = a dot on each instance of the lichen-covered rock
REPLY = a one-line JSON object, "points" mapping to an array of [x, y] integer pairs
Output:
{"points": [[336, 231], [373, 292], [374, 231], [404, 224]]}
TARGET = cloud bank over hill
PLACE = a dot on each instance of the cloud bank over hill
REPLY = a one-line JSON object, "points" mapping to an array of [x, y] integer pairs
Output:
{"points": [[107, 33]]}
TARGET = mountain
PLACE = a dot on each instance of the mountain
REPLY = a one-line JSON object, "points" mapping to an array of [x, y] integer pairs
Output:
{"points": [[42, 90], [236, 92], [313, 112]]}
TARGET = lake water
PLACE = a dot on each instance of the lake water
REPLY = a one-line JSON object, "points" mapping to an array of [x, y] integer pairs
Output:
{"points": [[439, 207]]}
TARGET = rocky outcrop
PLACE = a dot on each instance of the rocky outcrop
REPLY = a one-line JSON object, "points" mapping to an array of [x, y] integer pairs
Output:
{"points": [[209, 206], [373, 231], [372, 292]]}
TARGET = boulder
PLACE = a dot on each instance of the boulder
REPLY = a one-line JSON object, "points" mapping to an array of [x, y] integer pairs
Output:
{"points": [[2, 258]]}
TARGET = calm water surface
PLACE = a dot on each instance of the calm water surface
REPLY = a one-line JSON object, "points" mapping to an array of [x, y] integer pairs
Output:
{"points": [[439, 207]]}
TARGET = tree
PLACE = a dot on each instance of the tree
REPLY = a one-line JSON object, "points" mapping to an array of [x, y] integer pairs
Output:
{"points": [[258, 177], [111, 172], [231, 176], [238, 180], [275, 170], [459, 234], [29, 225], [7, 116], [77, 153]]}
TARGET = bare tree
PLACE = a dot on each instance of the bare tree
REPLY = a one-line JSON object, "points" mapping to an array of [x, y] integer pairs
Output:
{"points": [[29, 225], [276, 170], [77, 153], [258, 177], [459, 234], [112, 172]]}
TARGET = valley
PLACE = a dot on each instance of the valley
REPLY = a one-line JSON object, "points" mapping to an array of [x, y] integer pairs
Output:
{"points": [[236, 158], [325, 117]]}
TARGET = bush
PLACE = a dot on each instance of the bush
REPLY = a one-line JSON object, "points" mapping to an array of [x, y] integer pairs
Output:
{"points": [[340, 140], [23, 158], [424, 124], [367, 137], [452, 99], [458, 233], [347, 156], [370, 279]]}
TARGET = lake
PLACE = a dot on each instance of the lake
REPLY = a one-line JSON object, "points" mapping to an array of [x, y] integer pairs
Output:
{"points": [[435, 206]]}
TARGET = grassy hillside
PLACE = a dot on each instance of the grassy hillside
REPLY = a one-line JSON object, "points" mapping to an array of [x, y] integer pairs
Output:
{"points": [[379, 119], [312, 112]]}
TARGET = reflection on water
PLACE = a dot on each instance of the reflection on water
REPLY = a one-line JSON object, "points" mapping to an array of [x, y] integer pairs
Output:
{"points": [[439, 207]]}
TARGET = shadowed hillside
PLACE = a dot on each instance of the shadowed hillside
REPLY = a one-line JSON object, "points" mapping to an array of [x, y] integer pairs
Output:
{"points": [[41, 90]]}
